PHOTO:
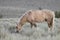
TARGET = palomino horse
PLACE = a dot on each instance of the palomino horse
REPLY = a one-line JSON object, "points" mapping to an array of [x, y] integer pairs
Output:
{"points": [[37, 16]]}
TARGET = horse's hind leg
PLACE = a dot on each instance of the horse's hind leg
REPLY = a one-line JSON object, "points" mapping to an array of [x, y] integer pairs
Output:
{"points": [[51, 25]]}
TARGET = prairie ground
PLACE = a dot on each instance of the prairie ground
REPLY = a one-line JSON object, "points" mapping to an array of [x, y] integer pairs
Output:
{"points": [[7, 30]]}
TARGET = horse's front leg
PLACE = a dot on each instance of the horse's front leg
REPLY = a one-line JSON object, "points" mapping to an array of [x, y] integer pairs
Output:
{"points": [[33, 24]]}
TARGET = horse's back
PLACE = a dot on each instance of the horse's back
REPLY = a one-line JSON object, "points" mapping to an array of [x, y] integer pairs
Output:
{"points": [[39, 15], [36, 15]]}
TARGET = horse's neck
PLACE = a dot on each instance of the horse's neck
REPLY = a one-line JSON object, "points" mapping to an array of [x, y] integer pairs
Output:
{"points": [[22, 21]]}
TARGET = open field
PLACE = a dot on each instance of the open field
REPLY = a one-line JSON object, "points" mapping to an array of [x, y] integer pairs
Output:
{"points": [[7, 31], [10, 12]]}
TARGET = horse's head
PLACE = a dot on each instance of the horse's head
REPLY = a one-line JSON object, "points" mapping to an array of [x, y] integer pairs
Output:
{"points": [[18, 27]]}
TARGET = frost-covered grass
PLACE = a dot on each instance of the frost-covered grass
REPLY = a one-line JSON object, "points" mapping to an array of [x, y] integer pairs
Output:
{"points": [[7, 31]]}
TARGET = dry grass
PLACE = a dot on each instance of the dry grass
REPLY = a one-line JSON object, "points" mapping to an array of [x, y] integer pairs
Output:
{"points": [[7, 31]]}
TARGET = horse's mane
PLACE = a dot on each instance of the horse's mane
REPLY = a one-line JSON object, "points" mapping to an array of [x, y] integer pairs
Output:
{"points": [[26, 13]]}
